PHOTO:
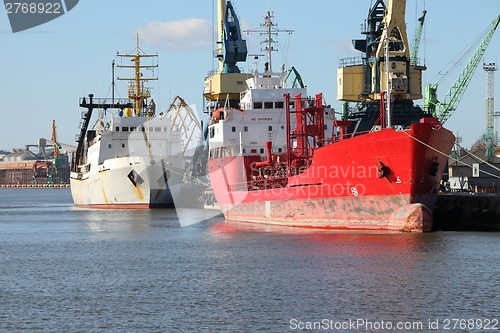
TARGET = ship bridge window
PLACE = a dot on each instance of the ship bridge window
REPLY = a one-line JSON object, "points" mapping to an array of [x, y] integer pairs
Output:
{"points": [[157, 129], [245, 129], [292, 104], [109, 145], [279, 105], [117, 128], [233, 129], [124, 129], [268, 105], [132, 129], [270, 128], [262, 150], [257, 105], [123, 145]]}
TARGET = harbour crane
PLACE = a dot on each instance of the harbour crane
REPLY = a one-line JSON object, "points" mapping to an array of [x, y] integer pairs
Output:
{"points": [[57, 154], [231, 42], [57, 172], [382, 82], [446, 107], [227, 82], [416, 40]]}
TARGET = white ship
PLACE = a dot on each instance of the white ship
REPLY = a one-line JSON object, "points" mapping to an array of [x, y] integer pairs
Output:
{"points": [[134, 160]]}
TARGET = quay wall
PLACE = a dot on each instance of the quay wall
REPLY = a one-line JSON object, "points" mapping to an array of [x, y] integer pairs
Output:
{"points": [[467, 211]]}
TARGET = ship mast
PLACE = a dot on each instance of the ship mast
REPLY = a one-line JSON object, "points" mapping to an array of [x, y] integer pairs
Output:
{"points": [[269, 40], [136, 90], [270, 30]]}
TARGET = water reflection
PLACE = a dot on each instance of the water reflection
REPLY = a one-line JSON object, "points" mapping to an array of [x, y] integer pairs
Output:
{"points": [[129, 223], [369, 272]]}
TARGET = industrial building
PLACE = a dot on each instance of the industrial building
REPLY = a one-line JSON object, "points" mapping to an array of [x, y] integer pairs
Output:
{"points": [[24, 168], [472, 172]]}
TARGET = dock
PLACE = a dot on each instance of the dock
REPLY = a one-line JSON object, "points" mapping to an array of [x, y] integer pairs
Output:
{"points": [[34, 186], [467, 211]]}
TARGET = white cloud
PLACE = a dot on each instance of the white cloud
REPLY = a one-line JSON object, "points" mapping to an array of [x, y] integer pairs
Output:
{"points": [[341, 46], [245, 25], [180, 35]]}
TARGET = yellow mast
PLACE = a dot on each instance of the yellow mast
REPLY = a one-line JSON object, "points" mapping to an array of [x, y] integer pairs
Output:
{"points": [[136, 90]]}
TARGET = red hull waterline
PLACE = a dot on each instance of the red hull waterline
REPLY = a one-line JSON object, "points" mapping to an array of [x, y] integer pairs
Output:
{"points": [[344, 187]]}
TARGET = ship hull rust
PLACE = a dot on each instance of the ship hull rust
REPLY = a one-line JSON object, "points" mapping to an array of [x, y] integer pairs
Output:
{"points": [[391, 213]]}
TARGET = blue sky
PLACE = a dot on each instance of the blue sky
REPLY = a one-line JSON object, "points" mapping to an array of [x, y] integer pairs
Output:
{"points": [[45, 70]]}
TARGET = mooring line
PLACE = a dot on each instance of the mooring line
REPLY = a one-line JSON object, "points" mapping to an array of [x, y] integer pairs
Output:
{"points": [[455, 159]]}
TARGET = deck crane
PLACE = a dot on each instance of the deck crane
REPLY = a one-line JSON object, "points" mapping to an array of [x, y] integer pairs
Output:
{"points": [[416, 41], [445, 108], [297, 78]]}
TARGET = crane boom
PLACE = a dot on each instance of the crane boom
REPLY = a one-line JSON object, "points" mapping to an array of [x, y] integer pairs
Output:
{"points": [[297, 78], [416, 41], [232, 47], [395, 30], [54, 139], [445, 108]]}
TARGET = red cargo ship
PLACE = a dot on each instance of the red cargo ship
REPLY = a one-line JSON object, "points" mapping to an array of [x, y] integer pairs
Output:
{"points": [[286, 161]]}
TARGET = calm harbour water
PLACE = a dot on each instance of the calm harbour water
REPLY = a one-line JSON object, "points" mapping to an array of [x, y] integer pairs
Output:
{"points": [[64, 269]]}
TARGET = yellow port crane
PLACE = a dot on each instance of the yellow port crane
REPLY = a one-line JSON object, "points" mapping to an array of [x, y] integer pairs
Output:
{"points": [[57, 147]]}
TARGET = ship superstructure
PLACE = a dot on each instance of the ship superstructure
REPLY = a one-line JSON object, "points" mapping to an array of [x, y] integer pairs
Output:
{"points": [[257, 125]]}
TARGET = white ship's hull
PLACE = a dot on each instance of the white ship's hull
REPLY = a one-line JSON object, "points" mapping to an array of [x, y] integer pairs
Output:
{"points": [[129, 182]]}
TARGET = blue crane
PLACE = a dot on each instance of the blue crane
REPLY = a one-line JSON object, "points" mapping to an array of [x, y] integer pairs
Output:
{"points": [[234, 46]]}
